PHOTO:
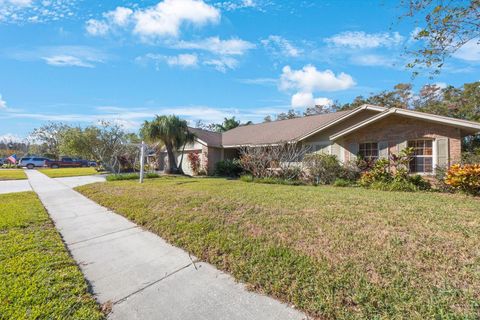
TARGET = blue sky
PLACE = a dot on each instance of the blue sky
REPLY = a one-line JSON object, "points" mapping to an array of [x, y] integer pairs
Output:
{"points": [[81, 61]]}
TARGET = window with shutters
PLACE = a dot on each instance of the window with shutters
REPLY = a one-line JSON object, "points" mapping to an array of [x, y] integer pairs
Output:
{"points": [[368, 150], [422, 161]]}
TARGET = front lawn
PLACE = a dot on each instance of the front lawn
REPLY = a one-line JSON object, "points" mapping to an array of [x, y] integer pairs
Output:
{"points": [[38, 278], [336, 253], [69, 172], [12, 174]]}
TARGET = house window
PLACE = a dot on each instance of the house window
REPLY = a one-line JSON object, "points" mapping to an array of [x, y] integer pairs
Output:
{"points": [[422, 161], [368, 150], [320, 148]]}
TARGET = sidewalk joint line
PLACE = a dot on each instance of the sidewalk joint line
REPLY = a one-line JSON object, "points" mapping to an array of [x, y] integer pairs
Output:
{"points": [[151, 284], [100, 236]]}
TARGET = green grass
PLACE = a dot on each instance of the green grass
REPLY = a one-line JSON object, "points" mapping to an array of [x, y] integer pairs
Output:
{"points": [[38, 278], [131, 176], [69, 172], [336, 253], [12, 174]]}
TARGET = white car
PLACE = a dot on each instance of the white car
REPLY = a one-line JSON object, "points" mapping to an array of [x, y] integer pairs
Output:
{"points": [[32, 162]]}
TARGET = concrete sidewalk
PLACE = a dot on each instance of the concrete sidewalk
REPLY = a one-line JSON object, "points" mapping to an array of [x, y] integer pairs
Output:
{"points": [[10, 186], [139, 273]]}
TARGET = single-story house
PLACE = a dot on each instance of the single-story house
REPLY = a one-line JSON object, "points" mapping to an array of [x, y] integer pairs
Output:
{"points": [[370, 131]]}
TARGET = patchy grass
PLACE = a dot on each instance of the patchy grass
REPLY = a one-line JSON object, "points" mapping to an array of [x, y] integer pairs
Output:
{"points": [[336, 253], [69, 172], [131, 176], [38, 278], [12, 174]]}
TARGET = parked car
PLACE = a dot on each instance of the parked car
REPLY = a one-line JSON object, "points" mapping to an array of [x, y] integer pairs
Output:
{"points": [[92, 163], [32, 162], [85, 163], [66, 163]]}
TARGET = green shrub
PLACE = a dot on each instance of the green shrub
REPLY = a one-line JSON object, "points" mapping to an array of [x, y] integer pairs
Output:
{"points": [[378, 173], [419, 182], [271, 180], [471, 157], [322, 168], [131, 176], [342, 183], [351, 171], [246, 178], [228, 168], [399, 185], [440, 175]]}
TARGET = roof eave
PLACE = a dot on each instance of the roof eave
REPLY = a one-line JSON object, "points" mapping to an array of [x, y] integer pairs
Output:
{"points": [[466, 125], [345, 116]]}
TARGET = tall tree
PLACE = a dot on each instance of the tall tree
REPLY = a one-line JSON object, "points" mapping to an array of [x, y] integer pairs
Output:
{"points": [[172, 131], [445, 27], [229, 124], [290, 114], [49, 137]]}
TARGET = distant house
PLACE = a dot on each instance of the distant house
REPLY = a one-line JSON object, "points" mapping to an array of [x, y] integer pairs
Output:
{"points": [[369, 131]]}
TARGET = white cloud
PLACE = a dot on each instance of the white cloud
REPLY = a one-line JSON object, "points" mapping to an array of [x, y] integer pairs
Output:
{"points": [[233, 46], [260, 81], [77, 56], [165, 19], [132, 118], [322, 101], [3, 103], [469, 51], [363, 40], [10, 137], [222, 64], [280, 46], [414, 34], [67, 61], [441, 85], [235, 5], [309, 79], [21, 3], [372, 60], [306, 99], [120, 16], [96, 27], [183, 60], [30, 11], [302, 99]]}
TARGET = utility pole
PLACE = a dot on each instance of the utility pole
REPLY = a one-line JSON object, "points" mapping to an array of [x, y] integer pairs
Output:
{"points": [[142, 161]]}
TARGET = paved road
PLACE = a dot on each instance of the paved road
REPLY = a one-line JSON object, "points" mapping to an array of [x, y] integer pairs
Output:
{"points": [[139, 273]]}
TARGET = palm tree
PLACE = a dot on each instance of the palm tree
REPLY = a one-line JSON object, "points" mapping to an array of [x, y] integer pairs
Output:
{"points": [[174, 134], [229, 124]]}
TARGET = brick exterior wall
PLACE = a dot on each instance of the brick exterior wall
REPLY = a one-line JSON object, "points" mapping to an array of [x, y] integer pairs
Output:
{"points": [[397, 129]]}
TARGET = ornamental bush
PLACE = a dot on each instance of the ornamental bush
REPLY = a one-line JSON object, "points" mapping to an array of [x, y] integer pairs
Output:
{"points": [[194, 160], [322, 168], [464, 178], [228, 168]]}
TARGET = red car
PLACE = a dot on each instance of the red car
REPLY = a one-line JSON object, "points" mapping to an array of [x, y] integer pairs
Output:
{"points": [[66, 163]]}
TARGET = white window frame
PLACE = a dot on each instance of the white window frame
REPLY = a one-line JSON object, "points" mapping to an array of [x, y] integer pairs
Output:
{"points": [[434, 156], [366, 142]]}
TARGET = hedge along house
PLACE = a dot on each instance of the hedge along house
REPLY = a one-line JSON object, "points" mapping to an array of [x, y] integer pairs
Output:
{"points": [[367, 131]]}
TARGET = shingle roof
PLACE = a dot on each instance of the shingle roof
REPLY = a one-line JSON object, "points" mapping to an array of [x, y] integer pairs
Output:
{"points": [[213, 139], [277, 131]]}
